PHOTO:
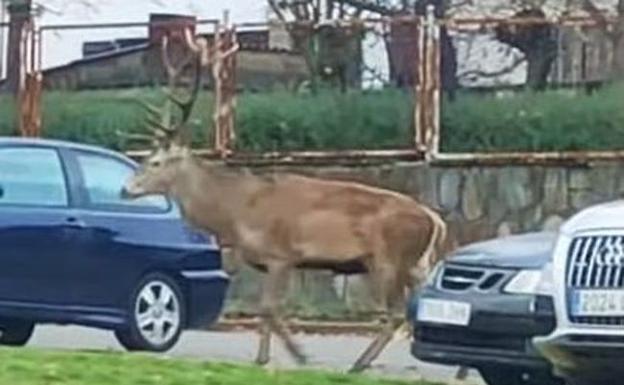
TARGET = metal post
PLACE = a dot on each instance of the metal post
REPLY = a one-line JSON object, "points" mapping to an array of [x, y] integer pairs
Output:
{"points": [[29, 94], [230, 100], [432, 83], [216, 74], [420, 94], [19, 15], [2, 17], [427, 106], [224, 73], [428, 86]]}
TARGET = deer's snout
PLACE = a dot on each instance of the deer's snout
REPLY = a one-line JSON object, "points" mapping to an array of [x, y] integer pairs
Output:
{"points": [[130, 190]]}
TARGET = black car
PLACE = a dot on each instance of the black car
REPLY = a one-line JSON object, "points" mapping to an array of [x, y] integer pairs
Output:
{"points": [[482, 307]]}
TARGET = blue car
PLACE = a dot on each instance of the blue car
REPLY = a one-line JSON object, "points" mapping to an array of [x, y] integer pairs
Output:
{"points": [[72, 251]]}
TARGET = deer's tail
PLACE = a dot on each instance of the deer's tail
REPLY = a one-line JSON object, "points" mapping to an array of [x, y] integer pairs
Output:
{"points": [[435, 249]]}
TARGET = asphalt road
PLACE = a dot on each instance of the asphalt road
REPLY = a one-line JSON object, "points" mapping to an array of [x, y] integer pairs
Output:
{"points": [[328, 352]]}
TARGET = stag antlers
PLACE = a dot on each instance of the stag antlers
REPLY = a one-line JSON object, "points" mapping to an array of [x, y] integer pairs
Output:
{"points": [[160, 119]]}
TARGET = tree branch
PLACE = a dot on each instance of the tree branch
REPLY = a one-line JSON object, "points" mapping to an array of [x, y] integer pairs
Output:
{"points": [[471, 74], [329, 9], [277, 10], [365, 5]]}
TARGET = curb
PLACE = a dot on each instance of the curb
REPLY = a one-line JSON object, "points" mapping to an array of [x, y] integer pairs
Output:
{"points": [[298, 326]]}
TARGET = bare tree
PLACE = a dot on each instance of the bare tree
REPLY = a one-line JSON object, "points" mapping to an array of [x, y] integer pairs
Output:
{"points": [[19, 18], [333, 52], [537, 42], [347, 40], [414, 7]]}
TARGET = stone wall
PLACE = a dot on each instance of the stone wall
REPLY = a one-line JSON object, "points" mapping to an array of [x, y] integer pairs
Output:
{"points": [[477, 202]]}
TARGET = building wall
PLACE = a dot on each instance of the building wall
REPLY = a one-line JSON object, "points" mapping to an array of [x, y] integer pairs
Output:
{"points": [[256, 70], [477, 202]]}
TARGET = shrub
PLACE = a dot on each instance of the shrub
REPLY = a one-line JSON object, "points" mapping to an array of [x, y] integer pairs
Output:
{"points": [[328, 120]]}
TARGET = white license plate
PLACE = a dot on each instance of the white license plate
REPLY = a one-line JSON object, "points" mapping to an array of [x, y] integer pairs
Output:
{"points": [[598, 303], [444, 312]]}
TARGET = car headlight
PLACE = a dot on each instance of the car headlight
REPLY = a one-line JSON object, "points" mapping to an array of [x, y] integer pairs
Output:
{"points": [[533, 282]]}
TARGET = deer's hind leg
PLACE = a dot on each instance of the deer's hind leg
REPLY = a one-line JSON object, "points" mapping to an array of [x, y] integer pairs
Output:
{"points": [[385, 284]]}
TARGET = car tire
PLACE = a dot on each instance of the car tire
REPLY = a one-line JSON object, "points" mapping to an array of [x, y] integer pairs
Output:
{"points": [[504, 375], [156, 315], [15, 332]]}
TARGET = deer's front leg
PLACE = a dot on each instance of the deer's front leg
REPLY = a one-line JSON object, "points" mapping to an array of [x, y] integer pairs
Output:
{"points": [[274, 285]]}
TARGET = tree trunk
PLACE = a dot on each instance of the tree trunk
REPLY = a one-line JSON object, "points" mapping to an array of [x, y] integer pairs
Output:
{"points": [[539, 62], [538, 44], [19, 16], [448, 64]]}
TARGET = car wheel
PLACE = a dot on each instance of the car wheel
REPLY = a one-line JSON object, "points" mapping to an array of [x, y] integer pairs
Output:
{"points": [[156, 316], [15, 332], [504, 375]]}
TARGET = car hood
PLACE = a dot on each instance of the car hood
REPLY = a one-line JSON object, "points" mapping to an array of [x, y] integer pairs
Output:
{"points": [[607, 216], [528, 251]]}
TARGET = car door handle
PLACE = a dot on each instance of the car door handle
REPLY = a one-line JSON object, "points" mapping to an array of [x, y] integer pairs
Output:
{"points": [[75, 223]]}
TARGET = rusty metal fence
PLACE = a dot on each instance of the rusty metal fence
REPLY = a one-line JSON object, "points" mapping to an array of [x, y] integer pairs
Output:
{"points": [[7, 102], [276, 86], [531, 89], [107, 71], [330, 97]]}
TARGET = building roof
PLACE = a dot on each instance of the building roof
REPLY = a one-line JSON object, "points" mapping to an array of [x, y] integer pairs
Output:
{"points": [[143, 44], [97, 57]]}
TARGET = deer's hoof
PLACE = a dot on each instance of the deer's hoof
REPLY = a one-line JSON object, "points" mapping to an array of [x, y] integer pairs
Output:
{"points": [[302, 359], [358, 368], [262, 361]]}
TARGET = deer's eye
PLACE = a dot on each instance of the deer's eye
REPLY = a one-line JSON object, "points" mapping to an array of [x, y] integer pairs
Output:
{"points": [[155, 163]]}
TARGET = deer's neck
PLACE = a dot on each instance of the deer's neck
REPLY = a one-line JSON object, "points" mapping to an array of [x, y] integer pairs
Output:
{"points": [[214, 201]]}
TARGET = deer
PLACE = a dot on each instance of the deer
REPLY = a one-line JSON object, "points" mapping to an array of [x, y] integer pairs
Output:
{"points": [[279, 222]]}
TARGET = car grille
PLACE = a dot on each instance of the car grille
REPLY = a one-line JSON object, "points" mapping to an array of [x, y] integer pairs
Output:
{"points": [[593, 264], [470, 338], [462, 278]]}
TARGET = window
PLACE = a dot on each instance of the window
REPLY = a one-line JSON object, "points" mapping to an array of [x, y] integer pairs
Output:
{"points": [[32, 176], [104, 179]]}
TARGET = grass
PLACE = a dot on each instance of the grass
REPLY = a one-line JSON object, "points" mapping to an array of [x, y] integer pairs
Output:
{"points": [[34, 367], [328, 120]]}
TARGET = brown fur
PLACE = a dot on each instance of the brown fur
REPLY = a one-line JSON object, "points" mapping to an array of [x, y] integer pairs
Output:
{"points": [[285, 221], [282, 222]]}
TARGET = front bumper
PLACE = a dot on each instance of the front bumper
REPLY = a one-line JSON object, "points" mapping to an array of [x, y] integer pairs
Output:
{"points": [[500, 332], [206, 292], [584, 353]]}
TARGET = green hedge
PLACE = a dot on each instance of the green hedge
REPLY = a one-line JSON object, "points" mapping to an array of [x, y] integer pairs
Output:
{"points": [[549, 121]]}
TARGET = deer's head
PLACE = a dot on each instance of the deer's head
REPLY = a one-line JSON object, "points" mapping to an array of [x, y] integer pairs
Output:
{"points": [[169, 133]]}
